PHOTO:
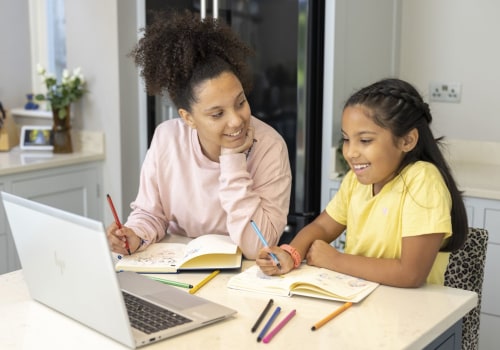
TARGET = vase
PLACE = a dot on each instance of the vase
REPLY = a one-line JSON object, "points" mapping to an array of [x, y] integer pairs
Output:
{"points": [[61, 131]]}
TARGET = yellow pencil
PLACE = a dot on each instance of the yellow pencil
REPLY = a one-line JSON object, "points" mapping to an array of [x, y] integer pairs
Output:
{"points": [[332, 315], [203, 282]]}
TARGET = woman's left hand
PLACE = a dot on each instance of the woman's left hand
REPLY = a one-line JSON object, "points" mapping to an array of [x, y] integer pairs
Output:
{"points": [[245, 146]]}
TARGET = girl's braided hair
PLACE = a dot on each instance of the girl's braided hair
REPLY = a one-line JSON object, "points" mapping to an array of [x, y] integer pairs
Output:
{"points": [[396, 105], [179, 50]]}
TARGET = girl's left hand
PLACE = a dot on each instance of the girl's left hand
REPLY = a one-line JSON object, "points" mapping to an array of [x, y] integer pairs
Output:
{"points": [[322, 254]]}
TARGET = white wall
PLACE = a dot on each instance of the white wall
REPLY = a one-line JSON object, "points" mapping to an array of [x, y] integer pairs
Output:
{"points": [[361, 46], [92, 43], [15, 65], [455, 41]]}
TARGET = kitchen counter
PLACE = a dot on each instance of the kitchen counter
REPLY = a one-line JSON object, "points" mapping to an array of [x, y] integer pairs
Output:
{"points": [[475, 166], [477, 179], [87, 147]]}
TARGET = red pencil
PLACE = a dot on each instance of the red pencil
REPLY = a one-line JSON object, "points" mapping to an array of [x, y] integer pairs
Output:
{"points": [[117, 220]]}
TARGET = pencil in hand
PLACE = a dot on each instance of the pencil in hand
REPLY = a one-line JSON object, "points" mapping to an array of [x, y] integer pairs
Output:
{"points": [[264, 243], [117, 220]]}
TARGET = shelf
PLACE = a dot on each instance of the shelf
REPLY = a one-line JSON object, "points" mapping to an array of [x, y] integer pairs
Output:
{"points": [[32, 113]]}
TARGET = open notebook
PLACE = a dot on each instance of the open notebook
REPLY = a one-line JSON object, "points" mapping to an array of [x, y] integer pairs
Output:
{"points": [[67, 266], [309, 281]]}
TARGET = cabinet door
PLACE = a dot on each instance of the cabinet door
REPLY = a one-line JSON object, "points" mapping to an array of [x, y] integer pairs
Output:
{"points": [[73, 189], [3, 238]]}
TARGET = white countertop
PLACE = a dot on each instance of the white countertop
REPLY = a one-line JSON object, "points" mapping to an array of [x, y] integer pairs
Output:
{"points": [[87, 146], [389, 318], [475, 166], [478, 179]]}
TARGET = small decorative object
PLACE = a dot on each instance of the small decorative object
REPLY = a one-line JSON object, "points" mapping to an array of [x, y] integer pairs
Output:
{"points": [[36, 137], [9, 132], [30, 105], [61, 95]]}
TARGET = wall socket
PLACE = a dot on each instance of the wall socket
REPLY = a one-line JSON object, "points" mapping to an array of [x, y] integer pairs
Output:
{"points": [[445, 92]]}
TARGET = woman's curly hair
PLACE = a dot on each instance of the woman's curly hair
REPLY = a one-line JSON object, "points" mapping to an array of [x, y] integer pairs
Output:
{"points": [[179, 50]]}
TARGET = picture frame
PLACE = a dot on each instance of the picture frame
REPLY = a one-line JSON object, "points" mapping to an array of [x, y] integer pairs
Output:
{"points": [[36, 137]]}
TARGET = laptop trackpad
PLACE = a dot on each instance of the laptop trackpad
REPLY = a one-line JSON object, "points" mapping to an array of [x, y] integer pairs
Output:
{"points": [[178, 301]]}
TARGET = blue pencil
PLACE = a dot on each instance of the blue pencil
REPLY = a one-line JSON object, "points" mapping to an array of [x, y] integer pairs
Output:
{"points": [[264, 242], [268, 324]]}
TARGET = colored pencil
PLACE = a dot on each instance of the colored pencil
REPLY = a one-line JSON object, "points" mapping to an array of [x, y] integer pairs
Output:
{"points": [[280, 325], [262, 315], [117, 220], [332, 315], [203, 282], [264, 242], [172, 283], [268, 324]]}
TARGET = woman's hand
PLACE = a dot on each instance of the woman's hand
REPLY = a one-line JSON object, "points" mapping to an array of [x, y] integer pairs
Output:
{"points": [[267, 264], [117, 238], [245, 146]]}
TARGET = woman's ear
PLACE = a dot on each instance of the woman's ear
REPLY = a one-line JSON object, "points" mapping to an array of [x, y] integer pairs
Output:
{"points": [[410, 140], [187, 117]]}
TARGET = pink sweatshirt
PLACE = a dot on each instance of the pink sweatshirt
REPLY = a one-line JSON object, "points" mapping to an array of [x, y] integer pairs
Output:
{"points": [[183, 192]]}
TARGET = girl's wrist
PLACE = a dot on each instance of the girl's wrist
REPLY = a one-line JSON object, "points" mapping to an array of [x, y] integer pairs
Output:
{"points": [[297, 259]]}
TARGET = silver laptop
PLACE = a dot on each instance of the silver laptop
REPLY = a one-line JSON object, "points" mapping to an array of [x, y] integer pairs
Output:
{"points": [[68, 266]]}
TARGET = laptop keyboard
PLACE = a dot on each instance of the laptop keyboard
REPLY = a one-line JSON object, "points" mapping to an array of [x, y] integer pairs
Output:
{"points": [[150, 318]]}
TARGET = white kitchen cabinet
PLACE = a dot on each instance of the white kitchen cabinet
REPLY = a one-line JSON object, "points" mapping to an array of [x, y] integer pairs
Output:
{"points": [[74, 188], [485, 213], [339, 243]]}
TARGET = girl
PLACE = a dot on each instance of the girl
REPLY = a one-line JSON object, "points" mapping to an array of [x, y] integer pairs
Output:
{"points": [[216, 167], [399, 204]]}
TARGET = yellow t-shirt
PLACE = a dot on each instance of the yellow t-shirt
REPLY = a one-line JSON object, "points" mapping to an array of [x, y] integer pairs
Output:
{"points": [[414, 203]]}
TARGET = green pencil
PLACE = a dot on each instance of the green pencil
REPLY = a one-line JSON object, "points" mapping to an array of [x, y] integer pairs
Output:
{"points": [[172, 283]]}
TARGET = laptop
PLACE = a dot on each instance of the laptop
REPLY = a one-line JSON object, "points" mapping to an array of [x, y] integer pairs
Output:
{"points": [[68, 266]]}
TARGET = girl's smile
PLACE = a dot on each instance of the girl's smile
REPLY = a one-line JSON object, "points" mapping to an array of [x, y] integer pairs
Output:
{"points": [[372, 152]]}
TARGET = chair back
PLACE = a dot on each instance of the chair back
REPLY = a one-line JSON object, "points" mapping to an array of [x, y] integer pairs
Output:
{"points": [[466, 271]]}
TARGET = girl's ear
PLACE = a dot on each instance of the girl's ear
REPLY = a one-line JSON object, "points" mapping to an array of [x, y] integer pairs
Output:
{"points": [[187, 117], [410, 140]]}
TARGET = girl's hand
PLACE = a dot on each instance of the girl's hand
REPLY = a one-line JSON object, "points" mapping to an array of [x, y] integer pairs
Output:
{"points": [[322, 254], [117, 238], [245, 146], [267, 264]]}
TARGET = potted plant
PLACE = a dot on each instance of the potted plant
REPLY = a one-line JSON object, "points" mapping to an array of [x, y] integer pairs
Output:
{"points": [[60, 95]]}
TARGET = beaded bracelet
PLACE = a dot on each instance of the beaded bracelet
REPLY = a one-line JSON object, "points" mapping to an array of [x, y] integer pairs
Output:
{"points": [[297, 259]]}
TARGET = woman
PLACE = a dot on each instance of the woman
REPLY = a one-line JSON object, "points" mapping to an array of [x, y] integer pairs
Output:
{"points": [[217, 167]]}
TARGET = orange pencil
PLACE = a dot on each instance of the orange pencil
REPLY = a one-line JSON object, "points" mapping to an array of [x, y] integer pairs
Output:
{"points": [[332, 315], [117, 221]]}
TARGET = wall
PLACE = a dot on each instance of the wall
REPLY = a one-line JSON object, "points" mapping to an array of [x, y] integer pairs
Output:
{"points": [[455, 41], [361, 46], [92, 43], [15, 72]]}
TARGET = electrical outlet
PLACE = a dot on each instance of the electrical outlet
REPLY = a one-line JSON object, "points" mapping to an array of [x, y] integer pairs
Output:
{"points": [[445, 92]]}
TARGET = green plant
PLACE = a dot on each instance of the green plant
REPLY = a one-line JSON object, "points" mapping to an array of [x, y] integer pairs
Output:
{"points": [[62, 94], [342, 162]]}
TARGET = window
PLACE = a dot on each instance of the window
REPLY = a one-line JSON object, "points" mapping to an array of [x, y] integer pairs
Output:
{"points": [[48, 38]]}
